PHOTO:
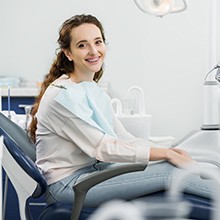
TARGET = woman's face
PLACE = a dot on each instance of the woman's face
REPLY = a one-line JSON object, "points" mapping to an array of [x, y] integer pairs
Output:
{"points": [[87, 49]]}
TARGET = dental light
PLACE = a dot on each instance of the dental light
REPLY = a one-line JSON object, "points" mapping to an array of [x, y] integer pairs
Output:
{"points": [[160, 8]]}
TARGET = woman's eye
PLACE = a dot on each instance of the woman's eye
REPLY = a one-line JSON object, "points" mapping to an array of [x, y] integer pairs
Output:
{"points": [[99, 42], [81, 45]]}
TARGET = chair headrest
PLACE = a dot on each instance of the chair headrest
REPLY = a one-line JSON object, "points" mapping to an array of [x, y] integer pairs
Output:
{"points": [[18, 135]]}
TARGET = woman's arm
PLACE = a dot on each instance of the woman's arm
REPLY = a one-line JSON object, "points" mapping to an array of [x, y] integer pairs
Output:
{"points": [[177, 157]]}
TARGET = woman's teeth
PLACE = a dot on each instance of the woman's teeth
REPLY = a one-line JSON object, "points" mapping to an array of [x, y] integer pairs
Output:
{"points": [[92, 60]]}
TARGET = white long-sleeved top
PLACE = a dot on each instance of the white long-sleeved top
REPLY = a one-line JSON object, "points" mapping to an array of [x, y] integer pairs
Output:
{"points": [[66, 142]]}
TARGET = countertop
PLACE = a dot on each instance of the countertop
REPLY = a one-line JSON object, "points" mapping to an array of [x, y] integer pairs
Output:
{"points": [[20, 92]]}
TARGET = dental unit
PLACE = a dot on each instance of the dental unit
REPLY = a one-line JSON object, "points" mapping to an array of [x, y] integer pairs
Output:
{"points": [[202, 144]]}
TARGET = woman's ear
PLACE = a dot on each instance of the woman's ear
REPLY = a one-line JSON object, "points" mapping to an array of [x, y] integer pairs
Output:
{"points": [[68, 54]]}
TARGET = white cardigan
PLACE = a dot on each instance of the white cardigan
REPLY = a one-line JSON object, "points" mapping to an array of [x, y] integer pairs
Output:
{"points": [[65, 142]]}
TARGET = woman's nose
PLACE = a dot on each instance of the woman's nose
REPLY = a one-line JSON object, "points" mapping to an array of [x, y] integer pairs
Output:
{"points": [[93, 50]]}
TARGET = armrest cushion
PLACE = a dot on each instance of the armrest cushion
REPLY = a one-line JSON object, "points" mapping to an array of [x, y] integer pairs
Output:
{"points": [[82, 187], [86, 183]]}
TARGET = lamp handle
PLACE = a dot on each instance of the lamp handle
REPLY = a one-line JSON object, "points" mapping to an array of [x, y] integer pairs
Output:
{"points": [[180, 8]]}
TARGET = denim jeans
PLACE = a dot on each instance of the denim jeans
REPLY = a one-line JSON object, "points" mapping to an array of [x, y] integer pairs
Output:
{"points": [[156, 177]]}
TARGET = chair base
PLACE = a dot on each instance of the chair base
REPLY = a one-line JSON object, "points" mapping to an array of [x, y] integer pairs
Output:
{"points": [[201, 208], [60, 210]]}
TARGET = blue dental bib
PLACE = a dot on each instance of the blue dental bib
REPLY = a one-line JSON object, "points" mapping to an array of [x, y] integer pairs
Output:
{"points": [[88, 101]]}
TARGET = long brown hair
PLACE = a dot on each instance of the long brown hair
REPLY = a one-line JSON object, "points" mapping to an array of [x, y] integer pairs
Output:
{"points": [[61, 64]]}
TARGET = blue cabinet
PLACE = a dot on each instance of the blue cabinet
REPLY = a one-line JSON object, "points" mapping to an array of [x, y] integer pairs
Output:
{"points": [[15, 102]]}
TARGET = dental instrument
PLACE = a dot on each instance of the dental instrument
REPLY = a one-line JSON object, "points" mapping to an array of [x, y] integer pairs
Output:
{"points": [[9, 102]]}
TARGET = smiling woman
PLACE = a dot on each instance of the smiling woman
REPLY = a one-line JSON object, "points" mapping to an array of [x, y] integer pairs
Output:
{"points": [[87, 51], [71, 58], [77, 132]]}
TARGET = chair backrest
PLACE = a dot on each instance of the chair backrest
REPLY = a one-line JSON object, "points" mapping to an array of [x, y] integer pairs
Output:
{"points": [[23, 174], [20, 168], [18, 135], [1, 178], [26, 163]]}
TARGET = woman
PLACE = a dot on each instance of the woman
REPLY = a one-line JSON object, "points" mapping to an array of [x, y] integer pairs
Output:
{"points": [[74, 126]]}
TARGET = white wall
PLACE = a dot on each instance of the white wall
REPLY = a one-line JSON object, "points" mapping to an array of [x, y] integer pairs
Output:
{"points": [[167, 57]]}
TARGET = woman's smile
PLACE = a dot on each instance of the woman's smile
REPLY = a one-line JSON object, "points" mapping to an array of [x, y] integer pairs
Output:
{"points": [[93, 60]]}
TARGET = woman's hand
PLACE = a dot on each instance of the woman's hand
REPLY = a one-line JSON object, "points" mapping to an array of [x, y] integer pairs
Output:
{"points": [[176, 156], [180, 158]]}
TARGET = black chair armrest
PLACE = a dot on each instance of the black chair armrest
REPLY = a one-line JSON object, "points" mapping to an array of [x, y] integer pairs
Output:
{"points": [[81, 188]]}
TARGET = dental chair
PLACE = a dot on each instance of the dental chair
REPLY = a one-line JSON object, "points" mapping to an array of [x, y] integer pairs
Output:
{"points": [[29, 183], [18, 163]]}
